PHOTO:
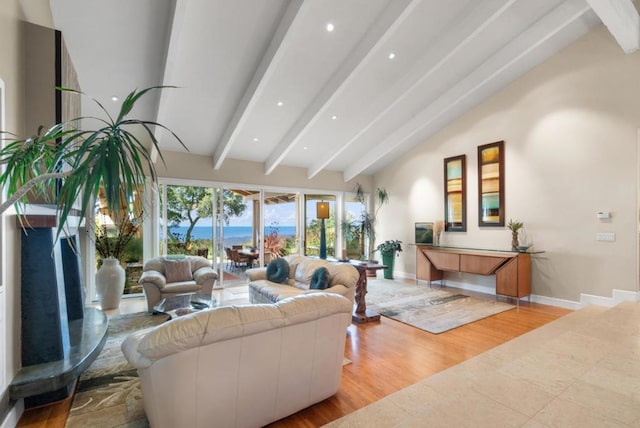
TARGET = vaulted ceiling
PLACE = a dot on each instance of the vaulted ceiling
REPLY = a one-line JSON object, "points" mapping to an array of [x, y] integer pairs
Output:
{"points": [[267, 81]]}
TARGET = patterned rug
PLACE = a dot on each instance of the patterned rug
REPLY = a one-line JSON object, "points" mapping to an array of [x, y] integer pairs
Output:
{"points": [[108, 393], [431, 309]]}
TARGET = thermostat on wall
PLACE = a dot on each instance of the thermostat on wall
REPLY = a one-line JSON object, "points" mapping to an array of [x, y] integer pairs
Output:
{"points": [[604, 214]]}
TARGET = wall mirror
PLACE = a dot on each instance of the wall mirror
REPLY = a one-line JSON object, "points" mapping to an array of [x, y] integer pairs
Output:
{"points": [[455, 194], [491, 184]]}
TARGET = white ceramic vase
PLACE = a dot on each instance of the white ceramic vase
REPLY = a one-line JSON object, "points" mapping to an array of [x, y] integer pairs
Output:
{"points": [[110, 283]]}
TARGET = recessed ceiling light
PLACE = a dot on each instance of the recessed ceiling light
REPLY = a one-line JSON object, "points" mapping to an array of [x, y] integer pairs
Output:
{"points": [[334, 117], [114, 98], [305, 147], [279, 103], [256, 139], [330, 27], [392, 55]]}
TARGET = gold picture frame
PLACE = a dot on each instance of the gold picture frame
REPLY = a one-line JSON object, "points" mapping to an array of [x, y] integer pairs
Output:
{"points": [[491, 185]]}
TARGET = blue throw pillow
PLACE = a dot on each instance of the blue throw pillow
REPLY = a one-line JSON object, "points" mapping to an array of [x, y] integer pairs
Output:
{"points": [[320, 279], [278, 271]]}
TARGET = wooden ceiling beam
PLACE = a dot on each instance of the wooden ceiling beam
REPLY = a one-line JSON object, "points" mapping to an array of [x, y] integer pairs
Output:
{"points": [[622, 20]]}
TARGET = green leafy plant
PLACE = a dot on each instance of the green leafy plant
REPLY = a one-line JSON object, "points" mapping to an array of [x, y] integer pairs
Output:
{"points": [[274, 243], [68, 165], [390, 247], [114, 241], [514, 226], [367, 222]]}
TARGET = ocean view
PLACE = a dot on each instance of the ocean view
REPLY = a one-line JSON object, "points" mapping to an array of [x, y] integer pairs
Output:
{"points": [[234, 233]]}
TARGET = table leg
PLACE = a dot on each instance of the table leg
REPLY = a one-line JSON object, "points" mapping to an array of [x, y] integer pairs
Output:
{"points": [[362, 314]]}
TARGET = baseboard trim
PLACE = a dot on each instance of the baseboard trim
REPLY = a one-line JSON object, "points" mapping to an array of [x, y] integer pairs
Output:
{"points": [[13, 415], [618, 296], [554, 301]]}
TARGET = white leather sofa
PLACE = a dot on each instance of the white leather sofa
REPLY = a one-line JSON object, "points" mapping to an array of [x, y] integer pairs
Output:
{"points": [[157, 284], [241, 366], [343, 280]]}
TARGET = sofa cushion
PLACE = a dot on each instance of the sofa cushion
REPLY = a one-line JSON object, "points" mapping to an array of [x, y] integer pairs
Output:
{"points": [[180, 287], [208, 326], [306, 268], [343, 273], [278, 271], [293, 261], [199, 263], [271, 291], [178, 270], [320, 279]]}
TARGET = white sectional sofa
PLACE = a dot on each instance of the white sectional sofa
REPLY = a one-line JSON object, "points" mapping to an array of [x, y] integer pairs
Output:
{"points": [[343, 280], [241, 366]]}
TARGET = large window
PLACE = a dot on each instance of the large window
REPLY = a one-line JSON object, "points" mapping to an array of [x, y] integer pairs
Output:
{"points": [[280, 224], [353, 228], [259, 224], [119, 235], [188, 218]]}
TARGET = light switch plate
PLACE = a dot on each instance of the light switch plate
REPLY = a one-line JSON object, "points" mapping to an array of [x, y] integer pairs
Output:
{"points": [[606, 236]]}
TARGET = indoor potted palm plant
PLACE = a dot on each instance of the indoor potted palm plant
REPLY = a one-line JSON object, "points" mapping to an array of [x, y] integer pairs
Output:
{"points": [[514, 227], [68, 166], [367, 222], [389, 250]]}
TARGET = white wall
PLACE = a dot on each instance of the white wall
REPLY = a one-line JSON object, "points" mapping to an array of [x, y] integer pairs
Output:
{"points": [[11, 72], [570, 132], [199, 167]]}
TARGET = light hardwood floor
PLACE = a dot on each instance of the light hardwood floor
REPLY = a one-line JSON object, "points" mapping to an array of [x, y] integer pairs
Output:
{"points": [[387, 356]]}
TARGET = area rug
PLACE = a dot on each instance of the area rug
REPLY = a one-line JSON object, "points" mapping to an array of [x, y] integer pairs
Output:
{"points": [[434, 309], [109, 392]]}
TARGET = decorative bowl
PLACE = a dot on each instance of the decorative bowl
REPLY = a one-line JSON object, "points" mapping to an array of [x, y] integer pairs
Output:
{"points": [[523, 248]]}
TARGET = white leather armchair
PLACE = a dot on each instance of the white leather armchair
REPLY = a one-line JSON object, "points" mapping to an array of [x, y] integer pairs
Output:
{"points": [[163, 277]]}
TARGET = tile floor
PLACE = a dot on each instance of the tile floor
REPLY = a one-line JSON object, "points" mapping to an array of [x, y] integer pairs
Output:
{"points": [[582, 370]]}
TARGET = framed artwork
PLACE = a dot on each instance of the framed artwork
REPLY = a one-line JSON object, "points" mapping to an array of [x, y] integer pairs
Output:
{"points": [[455, 194], [491, 185], [424, 233]]}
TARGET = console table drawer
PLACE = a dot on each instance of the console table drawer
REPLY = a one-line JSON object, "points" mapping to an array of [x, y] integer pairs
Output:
{"points": [[481, 265], [444, 261]]}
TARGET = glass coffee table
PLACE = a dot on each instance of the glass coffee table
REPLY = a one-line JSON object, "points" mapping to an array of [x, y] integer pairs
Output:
{"points": [[185, 303]]}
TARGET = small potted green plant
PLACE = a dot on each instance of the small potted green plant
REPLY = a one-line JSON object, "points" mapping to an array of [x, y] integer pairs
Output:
{"points": [[388, 250], [514, 227]]}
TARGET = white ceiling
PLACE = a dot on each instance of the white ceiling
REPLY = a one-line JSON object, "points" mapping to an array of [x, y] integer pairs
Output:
{"points": [[234, 60]]}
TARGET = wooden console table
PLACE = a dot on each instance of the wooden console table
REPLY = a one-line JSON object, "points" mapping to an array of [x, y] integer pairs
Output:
{"points": [[511, 268]]}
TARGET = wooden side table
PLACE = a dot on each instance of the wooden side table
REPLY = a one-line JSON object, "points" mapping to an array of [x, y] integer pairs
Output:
{"points": [[362, 314]]}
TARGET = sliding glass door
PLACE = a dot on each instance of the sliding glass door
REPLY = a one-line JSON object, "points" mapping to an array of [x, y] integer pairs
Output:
{"points": [[353, 228], [280, 225], [188, 221], [236, 231], [120, 235], [240, 227]]}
